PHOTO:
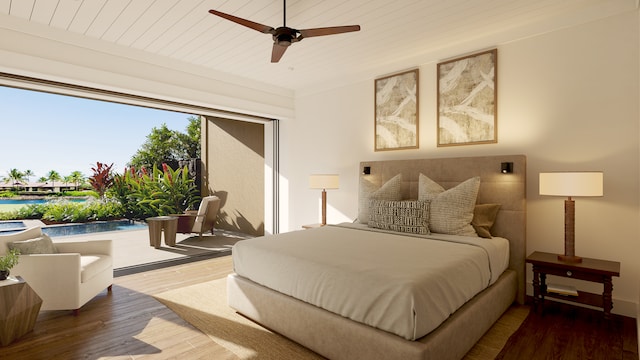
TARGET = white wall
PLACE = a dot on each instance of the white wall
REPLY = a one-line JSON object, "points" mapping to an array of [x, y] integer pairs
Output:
{"points": [[567, 99]]}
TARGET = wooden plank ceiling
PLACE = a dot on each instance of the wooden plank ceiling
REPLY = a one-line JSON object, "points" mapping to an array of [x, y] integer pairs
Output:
{"points": [[394, 33]]}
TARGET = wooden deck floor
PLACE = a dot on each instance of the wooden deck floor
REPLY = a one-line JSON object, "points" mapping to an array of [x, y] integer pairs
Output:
{"points": [[127, 324]]}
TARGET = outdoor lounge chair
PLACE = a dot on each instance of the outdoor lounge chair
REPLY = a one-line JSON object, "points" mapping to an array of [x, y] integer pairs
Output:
{"points": [[203, 220]]}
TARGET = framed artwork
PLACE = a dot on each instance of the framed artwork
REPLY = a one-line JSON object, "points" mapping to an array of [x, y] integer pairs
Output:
{"points": [[467, 100], [396, 111]]}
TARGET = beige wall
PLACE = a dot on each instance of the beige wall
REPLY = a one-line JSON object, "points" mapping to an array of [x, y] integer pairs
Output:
{"points": [[568, 100], [233, 169]]}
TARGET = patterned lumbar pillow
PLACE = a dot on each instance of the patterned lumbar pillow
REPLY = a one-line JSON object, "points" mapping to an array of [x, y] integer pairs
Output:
{"points": [[367, 191], [410, 216], [451, 211], [40, 245]]}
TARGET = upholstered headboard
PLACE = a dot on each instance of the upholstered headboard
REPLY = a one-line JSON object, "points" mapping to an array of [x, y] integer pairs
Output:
{"points": [[508, 190]]}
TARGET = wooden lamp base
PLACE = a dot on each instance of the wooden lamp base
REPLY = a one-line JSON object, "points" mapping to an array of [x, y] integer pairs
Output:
{"points": [[569, 234], [324, 207]]}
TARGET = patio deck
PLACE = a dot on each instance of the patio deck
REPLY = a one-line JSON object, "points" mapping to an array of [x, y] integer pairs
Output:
{"points": [[132, 252]]}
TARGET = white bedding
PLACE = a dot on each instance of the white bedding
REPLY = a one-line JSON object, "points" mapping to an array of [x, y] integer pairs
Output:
{"points": [[404, 284]]}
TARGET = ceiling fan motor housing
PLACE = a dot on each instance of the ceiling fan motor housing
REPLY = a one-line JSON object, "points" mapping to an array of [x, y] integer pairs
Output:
{"points": [[284, 36]]}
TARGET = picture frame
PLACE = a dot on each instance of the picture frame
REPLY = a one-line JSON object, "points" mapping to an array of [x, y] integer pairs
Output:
{"points": [[396, 111], [467, 100]]}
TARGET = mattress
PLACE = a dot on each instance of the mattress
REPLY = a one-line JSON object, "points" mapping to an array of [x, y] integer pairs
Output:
{"points": [[400, 283]]}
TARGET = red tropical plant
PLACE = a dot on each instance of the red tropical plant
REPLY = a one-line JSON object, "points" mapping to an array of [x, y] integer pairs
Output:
{"points": [[102, 178]]}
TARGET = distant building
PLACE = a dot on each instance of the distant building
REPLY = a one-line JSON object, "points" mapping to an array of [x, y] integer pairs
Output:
{"points": [[39, 186]]}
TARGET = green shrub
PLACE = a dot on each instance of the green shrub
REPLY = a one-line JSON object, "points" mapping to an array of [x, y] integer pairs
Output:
{"points": [[130, 189], [31, 211], [37, 193], [144, 194], [8, 215], [7, 194], [81, 193], [67, 211], [92, 210], [107, 209]]}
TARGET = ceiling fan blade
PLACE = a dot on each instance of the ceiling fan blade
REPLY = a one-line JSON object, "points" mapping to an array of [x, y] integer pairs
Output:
{"points": [[327, 31], [250, 24], [277, 52]]}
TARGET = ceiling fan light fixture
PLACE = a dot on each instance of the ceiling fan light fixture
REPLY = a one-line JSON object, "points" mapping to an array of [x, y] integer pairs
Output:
{"points": [[283, 39]]}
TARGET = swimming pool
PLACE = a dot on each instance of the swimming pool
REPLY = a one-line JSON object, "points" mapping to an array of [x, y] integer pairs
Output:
{"points": [[7, 227], [34, 201], [11, 225]]}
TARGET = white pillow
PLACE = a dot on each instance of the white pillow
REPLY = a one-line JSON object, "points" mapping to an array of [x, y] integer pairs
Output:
{"points": [[40, 245], [427, 186], [451, 211], [367, 191]]}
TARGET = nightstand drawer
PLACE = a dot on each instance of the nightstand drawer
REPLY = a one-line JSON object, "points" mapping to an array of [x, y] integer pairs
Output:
{"points": [[575, 274]]}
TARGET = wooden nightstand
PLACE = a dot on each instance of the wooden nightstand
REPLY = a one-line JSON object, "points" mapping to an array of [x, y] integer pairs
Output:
{"points": [[594, 270]]}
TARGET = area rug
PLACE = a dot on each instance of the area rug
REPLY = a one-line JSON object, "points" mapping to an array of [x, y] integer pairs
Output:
{"points": [[205, 307]]}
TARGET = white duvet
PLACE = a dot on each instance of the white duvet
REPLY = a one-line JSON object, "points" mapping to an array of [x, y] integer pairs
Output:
{"points": [[403, 284]]}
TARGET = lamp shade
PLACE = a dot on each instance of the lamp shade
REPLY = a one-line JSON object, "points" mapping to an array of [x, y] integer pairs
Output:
{"points": [[571, 183], [324, 181]]}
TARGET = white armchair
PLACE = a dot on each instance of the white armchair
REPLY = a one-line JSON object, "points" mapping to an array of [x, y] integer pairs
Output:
{"points": [[68, 279]]}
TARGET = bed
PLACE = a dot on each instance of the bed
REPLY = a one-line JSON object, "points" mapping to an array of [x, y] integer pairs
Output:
{"points": [[325, 313]]}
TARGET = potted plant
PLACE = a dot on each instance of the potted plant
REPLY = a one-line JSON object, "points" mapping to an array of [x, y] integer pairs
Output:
{"points": [[7, 262]]}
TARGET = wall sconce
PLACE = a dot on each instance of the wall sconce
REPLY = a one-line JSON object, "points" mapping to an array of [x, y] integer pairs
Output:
{"points": [[366, 170], [506, 168]]}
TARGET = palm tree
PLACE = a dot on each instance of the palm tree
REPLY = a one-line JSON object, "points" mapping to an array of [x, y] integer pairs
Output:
{"points": [[76, 178], [28, 174], [15, 176], [53, 176]]}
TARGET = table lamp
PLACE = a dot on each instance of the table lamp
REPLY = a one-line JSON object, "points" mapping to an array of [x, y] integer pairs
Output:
{"points": [[324, 181], [571, 184]]}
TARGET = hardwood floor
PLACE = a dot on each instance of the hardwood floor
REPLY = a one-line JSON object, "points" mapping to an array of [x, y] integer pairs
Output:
{"points": [[130, 324], [126, 324], [569, 332]]}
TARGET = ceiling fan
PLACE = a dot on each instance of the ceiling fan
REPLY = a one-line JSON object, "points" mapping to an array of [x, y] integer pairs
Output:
{"points": [[284, 36]]}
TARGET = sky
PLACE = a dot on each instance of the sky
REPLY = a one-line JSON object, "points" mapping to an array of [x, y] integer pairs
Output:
{"points": [[43, 132]]}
